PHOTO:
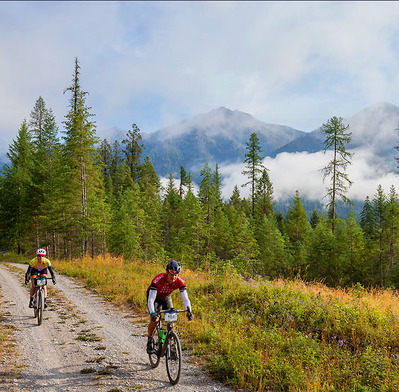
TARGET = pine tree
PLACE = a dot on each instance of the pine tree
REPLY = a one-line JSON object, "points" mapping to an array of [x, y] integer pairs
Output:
{"points": [[264, 196], [37, 120], [171, 218], [337, 138], [84, 191], [150, 188], [254, 167], [379, 204], [16, 192], [133, 149], [297, 229], [392, 232]]}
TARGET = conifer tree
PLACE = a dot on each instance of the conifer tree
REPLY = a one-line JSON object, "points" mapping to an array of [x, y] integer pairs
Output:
{"points": [[337, 137], [297, 229], [264, 195], [84, 189], [254, 167], [183, 181], [392, 231], [150, 188], [46, 157], [16, 192], [171, 218], [133, 149]]}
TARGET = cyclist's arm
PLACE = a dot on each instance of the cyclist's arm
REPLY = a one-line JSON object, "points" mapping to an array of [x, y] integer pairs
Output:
{"points": [[184, 297], [27, 275], [152, 295], [51, 272]]}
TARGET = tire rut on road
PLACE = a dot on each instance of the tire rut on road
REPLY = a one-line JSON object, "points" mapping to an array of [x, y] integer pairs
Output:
{"points": [[85, 344]]}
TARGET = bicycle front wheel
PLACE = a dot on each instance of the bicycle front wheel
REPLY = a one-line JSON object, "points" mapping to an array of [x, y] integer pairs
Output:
{"points": [[40, 306], [173, 358], [155, 356]]}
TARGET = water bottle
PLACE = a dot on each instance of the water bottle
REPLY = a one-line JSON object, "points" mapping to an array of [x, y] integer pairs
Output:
{"points": [[161, 335]]}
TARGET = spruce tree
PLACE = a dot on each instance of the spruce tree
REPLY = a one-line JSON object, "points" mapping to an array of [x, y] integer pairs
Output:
{"points": [[133, 149], [254, 167], [16, 192], [86, 213], [297, 228]]}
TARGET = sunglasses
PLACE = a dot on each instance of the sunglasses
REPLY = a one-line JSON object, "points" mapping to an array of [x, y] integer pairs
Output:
{"points": [[173, 272]]}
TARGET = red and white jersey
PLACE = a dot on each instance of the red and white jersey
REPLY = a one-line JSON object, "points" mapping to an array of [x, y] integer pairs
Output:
{"points": [[164, 289]]}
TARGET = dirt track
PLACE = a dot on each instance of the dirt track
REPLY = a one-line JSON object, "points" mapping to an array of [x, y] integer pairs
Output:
{"points": [[84, 344]]}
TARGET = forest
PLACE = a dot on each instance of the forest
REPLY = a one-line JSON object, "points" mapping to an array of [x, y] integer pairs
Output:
{"points": [[79, 196]]}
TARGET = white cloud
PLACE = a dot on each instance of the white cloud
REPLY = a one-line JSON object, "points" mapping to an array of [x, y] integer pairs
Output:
{"points": [[155, 63], [301, 171]]}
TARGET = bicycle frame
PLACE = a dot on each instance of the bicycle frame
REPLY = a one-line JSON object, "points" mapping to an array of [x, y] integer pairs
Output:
{"points": [[40, 283], [170, 327]]}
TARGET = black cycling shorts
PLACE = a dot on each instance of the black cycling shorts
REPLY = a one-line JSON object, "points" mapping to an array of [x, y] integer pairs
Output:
{"points": [[34, 272]]}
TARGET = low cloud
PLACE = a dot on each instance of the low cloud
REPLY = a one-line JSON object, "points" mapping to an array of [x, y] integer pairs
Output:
{"points": [[302, 171]]}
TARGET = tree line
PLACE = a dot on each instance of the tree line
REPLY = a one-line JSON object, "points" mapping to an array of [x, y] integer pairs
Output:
{"points": [[78, 196]]}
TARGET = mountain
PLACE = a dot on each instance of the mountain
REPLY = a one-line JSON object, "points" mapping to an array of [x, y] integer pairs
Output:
{"points": [[219, 136]]}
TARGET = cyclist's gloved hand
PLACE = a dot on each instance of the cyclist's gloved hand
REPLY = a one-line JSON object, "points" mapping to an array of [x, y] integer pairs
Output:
{"points": [[190, 315], [154, 317], [27, 281]]}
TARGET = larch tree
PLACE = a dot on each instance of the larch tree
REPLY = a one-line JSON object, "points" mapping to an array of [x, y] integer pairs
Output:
{"points": [[337, 138]]}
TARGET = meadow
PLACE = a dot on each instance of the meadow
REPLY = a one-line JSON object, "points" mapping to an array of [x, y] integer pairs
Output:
{"points": [[280, 335]]}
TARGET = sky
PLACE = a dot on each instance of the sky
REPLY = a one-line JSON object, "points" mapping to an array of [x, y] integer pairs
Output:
{"points": [[157, 63]]}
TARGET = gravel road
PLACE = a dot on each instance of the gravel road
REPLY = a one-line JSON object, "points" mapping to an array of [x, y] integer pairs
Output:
{"points": [[85, 344]]}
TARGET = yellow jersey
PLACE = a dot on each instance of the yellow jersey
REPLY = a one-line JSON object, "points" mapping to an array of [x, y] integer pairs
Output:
{"points": [[40, 265]]}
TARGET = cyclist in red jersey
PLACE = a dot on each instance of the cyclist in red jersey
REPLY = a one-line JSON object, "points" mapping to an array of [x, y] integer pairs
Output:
{"points": [[159, 294]]}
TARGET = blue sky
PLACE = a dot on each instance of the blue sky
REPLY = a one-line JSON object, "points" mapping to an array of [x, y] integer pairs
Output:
{"points": [[157, 63]]}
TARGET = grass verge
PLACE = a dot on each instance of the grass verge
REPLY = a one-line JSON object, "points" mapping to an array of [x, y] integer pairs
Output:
{"points": [[270, 336]]}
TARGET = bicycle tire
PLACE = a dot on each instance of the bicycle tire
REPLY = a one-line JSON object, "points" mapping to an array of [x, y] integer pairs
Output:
{"points": [[173, 358], [35, 305], [155, 357], [40, 306]]}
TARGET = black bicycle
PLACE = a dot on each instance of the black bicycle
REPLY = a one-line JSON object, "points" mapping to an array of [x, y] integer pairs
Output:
{"points": [[167, 343], [38, 299]]}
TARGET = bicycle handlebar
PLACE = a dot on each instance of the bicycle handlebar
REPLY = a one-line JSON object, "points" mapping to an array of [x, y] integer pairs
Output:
{"points": [[173, 311]]}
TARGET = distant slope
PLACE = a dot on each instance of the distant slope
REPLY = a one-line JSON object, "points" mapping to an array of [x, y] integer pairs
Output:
{"points": [[219, 136]]}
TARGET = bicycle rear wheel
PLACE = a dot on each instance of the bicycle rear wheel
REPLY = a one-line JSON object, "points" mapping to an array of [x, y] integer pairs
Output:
{"points": [[155, 355], [173, 358], [40, 306]]}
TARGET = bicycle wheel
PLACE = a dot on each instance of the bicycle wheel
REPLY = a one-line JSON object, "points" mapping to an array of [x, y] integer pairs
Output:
{"points": [[40, 306], [173, 358], [155, 355], [35, 305]]}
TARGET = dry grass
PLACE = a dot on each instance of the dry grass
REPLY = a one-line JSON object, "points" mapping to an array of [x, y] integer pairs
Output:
{"points": [[270, 336]]}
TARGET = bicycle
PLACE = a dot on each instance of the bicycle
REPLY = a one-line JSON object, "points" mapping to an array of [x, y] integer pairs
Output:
{"points": [[38, 298], [168, 345]]}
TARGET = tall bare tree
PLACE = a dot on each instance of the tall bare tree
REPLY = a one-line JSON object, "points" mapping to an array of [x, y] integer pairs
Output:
{"points": [[337, 138]]}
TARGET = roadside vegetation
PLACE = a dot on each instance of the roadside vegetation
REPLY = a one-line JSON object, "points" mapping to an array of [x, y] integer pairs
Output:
{"points": [[9, 368], [280, 335]]}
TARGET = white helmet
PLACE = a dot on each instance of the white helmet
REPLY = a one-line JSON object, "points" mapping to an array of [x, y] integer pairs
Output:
{"points": [[41, 252]]}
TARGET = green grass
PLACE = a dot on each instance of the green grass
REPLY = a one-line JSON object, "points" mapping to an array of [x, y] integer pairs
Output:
{"points": [[270, 336]]}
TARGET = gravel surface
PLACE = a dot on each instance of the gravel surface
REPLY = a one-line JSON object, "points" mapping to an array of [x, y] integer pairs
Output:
{"points": [[85, 344]]}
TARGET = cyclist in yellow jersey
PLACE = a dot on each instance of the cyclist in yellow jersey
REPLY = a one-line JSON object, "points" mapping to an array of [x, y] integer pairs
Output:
{"points": [[38, 267]]}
